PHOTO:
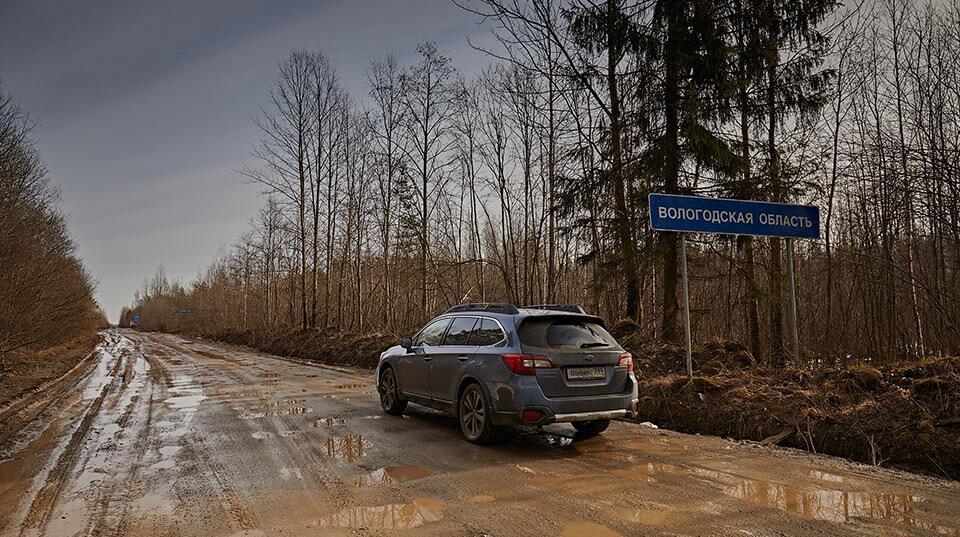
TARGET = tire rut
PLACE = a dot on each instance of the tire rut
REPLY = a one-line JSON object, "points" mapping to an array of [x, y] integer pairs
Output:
{"points": [[43, 504]]}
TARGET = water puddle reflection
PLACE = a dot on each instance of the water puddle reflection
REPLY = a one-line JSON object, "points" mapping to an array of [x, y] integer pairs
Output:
{"points": [[351, 386], [387, 517], [274, 404], [818, 500], [393, 474], [349, 448], [833, 505], [328, 422], [272, 413]]}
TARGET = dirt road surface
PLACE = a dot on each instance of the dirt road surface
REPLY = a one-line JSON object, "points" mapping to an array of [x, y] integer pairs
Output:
{"points": [[160, 435]]}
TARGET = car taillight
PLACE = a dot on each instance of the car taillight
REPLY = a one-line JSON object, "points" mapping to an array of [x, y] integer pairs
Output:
{"points": [[626, 359], [525, 364]]}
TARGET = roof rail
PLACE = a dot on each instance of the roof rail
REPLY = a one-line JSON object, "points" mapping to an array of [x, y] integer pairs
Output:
{"points": [[569, 308], [491, 307]]}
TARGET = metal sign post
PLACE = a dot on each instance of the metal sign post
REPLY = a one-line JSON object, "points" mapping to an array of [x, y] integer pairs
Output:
{"points": [[793, 301], [686, 303], [693, 214]]}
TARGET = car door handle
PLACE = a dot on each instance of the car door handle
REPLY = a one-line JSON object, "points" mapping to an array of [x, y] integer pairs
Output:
{"points": [[463, 358]]}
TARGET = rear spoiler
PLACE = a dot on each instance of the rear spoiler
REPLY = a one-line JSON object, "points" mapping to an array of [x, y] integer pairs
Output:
{"points": [[563, 315]]}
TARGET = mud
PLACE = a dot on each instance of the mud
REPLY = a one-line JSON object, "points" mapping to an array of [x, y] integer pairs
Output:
{"points": [[166, 436]]}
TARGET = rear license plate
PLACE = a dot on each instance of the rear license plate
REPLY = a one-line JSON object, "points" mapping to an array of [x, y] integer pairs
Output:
{"points": [[585, 373]]}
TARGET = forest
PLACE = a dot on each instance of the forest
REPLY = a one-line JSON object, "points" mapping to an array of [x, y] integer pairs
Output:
{"points": [[528, 182], [48, 315]]}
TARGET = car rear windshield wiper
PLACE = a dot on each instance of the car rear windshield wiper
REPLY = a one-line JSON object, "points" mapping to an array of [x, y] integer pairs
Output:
{"points": [[594, 344]]}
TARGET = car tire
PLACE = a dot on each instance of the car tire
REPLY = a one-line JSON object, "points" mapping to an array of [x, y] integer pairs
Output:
{"points": [[389, 389], [591, 428], [473, 413]]}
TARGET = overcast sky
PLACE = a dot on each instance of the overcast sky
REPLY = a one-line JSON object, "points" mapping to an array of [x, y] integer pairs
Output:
{"points": [[144, 109]]}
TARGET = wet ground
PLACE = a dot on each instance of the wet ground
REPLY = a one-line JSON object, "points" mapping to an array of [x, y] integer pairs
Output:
{"points": [[162, 435]]}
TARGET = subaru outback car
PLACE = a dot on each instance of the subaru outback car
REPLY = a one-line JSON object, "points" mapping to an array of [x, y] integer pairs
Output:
{"points": [[496, 365]]}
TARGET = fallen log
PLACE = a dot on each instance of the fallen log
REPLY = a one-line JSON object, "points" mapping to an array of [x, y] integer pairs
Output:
{"points": [[779, 437]]}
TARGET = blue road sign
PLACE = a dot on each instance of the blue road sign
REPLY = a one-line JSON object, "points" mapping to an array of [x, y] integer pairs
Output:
{"points": [[136, 319], [733, 217]]}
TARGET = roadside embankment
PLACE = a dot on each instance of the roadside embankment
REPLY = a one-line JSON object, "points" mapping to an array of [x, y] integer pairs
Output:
{"points": [[24, 371], [327, 346], [905, 415]]}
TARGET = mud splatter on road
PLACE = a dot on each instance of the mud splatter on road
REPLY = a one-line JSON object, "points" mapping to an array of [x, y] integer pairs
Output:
{"points": [[161, 436]]}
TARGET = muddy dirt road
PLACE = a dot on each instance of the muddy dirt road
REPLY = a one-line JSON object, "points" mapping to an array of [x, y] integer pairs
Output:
{"points": [[161, 435]]}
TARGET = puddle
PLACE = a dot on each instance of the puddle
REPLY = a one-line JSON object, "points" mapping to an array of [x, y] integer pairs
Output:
{"points": [[393, 474], [646, 472], [153, 503], [587, 529], [387, 517], [328, 422], [272, 413], [831, 505], [235, 396], [352, 386], [481, 498], [262, 406], [813, 502], [184, 402], [349, 448]]}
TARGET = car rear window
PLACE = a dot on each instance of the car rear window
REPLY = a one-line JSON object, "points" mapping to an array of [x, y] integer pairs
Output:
{"points": [[564, 333]]}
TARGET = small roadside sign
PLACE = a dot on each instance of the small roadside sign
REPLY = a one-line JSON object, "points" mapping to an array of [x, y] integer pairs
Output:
{"points": [[135, 319]]}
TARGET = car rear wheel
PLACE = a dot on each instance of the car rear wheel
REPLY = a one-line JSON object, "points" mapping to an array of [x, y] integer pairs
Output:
{"points": [[475, 417], [390, 399], [591, 428]]}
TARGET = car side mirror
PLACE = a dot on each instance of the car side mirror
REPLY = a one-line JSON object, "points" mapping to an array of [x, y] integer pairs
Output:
{"points": [[406, 342]]}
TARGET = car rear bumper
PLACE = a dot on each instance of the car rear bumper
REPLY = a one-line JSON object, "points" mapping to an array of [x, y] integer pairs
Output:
{"points": [[518, 403], [590, 416]]}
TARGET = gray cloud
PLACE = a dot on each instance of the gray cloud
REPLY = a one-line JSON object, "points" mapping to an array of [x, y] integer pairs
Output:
{"points": [[144, 109]]}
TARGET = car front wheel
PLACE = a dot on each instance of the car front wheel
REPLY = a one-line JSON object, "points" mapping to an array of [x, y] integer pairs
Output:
{"points": [[389, 390], [474, 415]]}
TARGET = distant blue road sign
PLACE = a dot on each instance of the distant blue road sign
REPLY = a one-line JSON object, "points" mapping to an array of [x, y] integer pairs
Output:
{"points": [[136, 319], [733, 217]]}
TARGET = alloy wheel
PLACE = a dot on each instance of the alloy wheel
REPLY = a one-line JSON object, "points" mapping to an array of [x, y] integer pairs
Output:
{"points": [[388, 388], [473, 413]]}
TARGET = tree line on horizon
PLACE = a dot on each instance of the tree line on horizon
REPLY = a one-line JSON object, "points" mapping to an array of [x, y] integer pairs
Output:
{"points": [[528, 182], [46, 294]]}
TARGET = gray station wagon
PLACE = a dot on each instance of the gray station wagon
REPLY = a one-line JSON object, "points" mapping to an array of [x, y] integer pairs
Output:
{"points": [[495, 365]]}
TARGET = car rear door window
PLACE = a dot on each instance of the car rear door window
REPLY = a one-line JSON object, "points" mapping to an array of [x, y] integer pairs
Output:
{"points": [[460, 330], [487, 332], [564, 333], [432, 334]]}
